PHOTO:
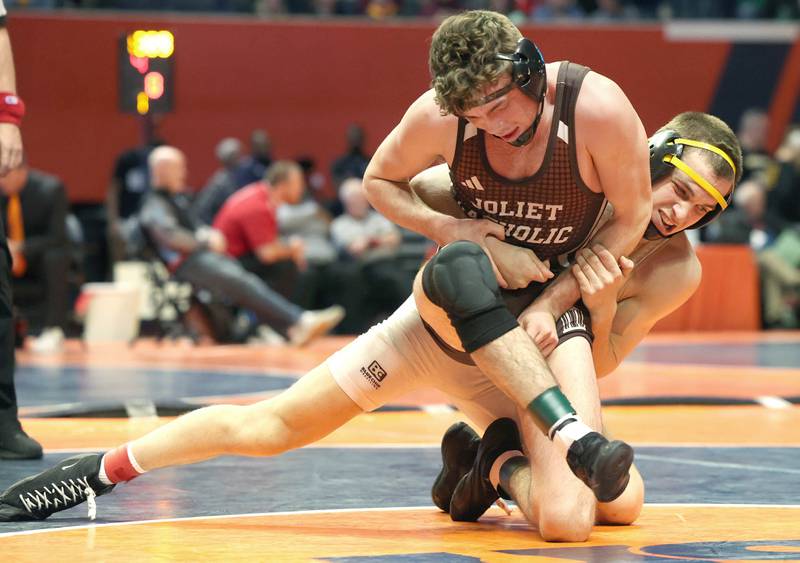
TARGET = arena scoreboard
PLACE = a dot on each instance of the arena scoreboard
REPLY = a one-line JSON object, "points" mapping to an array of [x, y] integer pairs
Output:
{"points": [[145, 72]]}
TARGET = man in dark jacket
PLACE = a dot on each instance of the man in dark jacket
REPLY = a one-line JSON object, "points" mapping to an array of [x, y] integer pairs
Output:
{"points": [[34, 205]]}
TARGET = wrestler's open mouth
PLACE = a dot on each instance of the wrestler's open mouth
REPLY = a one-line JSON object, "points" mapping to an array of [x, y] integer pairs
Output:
{"points": [[512, 135], [668, 225]]}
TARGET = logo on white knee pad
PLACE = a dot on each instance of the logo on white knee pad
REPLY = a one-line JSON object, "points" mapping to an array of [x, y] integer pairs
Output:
{"points": [[374, 373]]}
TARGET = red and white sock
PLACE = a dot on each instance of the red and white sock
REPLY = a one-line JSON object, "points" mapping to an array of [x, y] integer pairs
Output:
{"points": [[119, 466]]}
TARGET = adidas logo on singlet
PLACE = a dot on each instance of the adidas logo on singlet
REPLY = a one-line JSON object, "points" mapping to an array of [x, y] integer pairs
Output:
{"points": [[473, 184]]}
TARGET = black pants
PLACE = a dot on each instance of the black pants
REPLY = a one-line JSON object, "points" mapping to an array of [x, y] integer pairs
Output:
{"points": [[8, 395], [281, 276], [369, 291], [227, 280], [49, 272]]}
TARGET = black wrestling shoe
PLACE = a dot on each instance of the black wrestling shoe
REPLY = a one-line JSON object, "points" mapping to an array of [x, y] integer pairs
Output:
{"points": [[604, 466], [474, 494], [70, 483], [459, 447]]}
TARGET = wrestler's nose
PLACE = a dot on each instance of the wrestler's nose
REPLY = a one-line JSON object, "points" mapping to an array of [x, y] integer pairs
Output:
{"points": [[681, 211]]}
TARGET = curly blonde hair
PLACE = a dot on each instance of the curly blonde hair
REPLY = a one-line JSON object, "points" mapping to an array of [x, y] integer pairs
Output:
{"points": [[709, 129], [463, 57]]}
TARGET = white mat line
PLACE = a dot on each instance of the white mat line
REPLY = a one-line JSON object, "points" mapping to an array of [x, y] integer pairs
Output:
{"points": [[702, 463], [343, 510]]}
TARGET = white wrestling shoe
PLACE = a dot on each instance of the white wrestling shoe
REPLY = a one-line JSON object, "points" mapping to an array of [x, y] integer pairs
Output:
{"points": [[50, 341], [313, 324]]}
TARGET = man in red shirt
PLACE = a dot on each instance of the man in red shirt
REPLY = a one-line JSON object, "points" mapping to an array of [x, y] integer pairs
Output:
{"points": [[249, 222]]}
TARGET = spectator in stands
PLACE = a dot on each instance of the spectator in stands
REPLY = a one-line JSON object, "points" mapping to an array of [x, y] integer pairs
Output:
{"points": [[368, 240], [777, 250], [362, 233], [351, 164], [128, 186], [34, 207], [780, 263], [614, 10], [557, 10], [769, 9], [381, 9], [252, 167], [309, 222], [752, 133], [266, 8], [196, 254], [249, 222], [354, 161], [705, 9], [747, 222], [780, 280], [784, 199], [223, 183], [318, 187]]}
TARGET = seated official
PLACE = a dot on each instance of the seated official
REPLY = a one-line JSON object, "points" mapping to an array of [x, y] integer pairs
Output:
{"points": [[248, 220], [196, 254], [34, 207]]}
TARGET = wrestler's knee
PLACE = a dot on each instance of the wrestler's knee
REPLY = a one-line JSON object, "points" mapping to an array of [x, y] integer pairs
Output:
{"points": [[258, 430], [460, 280], [563, 521], [626, 509]]}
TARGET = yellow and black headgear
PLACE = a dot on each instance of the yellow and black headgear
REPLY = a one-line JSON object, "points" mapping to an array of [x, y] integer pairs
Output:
{"points": [[666, 149]]}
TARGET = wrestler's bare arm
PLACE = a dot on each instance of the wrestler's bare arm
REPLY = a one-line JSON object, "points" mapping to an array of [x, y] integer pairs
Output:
{"points": [[615, 138], [421, 137], [10, 136], [416, 142], [657, 286]]}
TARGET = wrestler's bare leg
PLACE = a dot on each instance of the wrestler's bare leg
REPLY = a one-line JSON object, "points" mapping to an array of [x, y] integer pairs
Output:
{"points": [[545, 489], [309, 410], [512, 362]]}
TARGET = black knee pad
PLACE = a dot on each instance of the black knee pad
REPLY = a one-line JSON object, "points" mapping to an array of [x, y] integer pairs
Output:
{"points": [[460, 280]]}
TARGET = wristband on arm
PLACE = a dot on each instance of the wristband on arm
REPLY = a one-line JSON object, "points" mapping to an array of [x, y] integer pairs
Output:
{"points": [[12, 108]]}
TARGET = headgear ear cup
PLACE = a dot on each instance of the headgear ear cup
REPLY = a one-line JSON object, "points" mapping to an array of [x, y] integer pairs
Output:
{"points": [[661, 145], [527, 68], [528, 73]]}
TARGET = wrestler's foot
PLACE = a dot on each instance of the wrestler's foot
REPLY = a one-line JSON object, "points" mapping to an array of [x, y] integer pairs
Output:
{"points": [[313, 324], [474, 493], [604, 466], [459, 447], [70, 483]]}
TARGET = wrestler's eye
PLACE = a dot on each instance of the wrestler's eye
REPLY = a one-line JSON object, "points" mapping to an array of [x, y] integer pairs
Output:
{"points": [[498, 107], [679, 190]]}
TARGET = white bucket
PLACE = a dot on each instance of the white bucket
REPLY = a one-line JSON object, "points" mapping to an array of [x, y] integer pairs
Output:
{"points": [[112, 314]]}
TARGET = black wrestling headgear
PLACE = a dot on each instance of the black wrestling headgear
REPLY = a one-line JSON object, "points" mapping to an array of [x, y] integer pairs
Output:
{"points": [[528, 74]]}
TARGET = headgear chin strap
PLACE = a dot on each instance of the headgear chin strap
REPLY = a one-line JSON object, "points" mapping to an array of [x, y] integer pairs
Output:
{"points": [[528, 74], [666, 149]]}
